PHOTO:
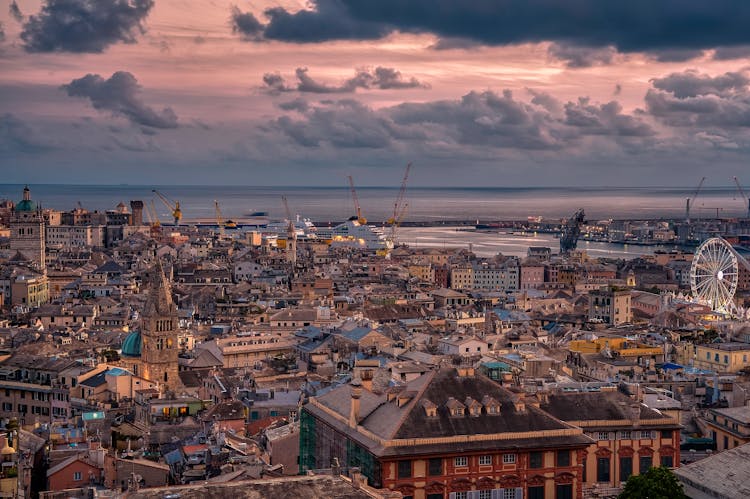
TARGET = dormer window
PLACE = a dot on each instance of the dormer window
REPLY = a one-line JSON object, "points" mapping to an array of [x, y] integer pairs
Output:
{"points": [[455, 408], [491, 405], [474, 407], [430, 408]]}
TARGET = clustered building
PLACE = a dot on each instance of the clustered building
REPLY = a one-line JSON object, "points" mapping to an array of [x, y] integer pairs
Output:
{"points": [[134, 358]]}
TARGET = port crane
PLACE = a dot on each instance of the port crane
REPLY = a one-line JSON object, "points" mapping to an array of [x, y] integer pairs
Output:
{"points": [[689, 201], [291, 234], [362, 220], [153, 219], [570, 232], [219, 219], [400, 206], [173, 206], [743, 195]]}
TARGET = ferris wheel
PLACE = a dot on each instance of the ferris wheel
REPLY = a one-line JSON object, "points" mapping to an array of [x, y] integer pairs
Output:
{"points": [[714, 274]]}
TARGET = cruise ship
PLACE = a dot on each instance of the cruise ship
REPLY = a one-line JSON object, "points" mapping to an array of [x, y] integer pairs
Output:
{"points": [[303, 227], [354, 234]]}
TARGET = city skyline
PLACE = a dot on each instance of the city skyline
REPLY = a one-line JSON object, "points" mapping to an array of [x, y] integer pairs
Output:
{"points": [[506, 93]]}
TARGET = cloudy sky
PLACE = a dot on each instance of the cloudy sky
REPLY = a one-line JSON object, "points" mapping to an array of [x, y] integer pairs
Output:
{"points": [[473, 92]]}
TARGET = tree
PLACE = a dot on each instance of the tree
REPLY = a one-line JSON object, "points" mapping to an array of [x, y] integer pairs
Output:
{"points": [[657, 483]]}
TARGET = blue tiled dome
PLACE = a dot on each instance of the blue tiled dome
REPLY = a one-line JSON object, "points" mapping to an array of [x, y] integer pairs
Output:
{"points": [[131, 347], [26, 205]]}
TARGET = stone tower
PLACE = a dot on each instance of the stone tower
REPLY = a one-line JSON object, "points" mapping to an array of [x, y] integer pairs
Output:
{"points": [[27, 230], [159, 333]]}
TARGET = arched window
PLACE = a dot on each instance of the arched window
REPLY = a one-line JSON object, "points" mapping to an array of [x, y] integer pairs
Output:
{"points": [[165, 376]]}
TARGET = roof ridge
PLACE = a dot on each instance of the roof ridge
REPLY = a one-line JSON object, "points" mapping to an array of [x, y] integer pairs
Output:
{"points": [[413, 402]]}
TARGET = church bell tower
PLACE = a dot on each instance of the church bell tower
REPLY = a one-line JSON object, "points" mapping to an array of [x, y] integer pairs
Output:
{"points": [[159, 325], [27, 229]]}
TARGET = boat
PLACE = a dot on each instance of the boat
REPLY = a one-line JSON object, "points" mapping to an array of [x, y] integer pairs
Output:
{"points": [[354, 234], [303, 227]]}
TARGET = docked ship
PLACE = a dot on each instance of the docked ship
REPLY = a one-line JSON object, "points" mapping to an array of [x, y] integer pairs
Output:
{"points": [[277, 232], [354, 234]]}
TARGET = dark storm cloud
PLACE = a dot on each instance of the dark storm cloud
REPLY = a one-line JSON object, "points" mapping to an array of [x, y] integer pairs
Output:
{"points": [[380, 78], [728, 53], [119, 95], [692, 99], [582, 57], [331, 20], [298, 104], [345, 124], [16, 136], [15, 11], [486, 119], [652, 26], [84, 25], [246, 25], [675, 54], [691, 83], [388, 78], [604, 119]]}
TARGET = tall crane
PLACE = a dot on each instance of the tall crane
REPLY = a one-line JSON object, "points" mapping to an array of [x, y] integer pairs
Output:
{"points": [[689, 202], [291, 234], [570, 232], [743, 195], [153, 219], [362, 220], [400, 206], [219, 219], [173, 206], [396, 223]]}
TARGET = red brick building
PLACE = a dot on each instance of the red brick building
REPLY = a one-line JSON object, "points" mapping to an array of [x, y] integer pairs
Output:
{"points": [[449, 434], [75, 472], [629, 438]]}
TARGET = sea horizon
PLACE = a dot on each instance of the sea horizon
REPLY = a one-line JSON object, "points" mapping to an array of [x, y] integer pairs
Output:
{"points": [[426, 204]]}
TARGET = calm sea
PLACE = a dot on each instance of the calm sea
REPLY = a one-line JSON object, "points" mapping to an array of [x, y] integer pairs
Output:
{"points": [[324, 204], [425, 203]]}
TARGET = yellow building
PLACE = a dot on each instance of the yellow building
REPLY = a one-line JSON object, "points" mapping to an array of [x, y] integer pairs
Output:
{"points": [[29, 290], [422, 271], [462, 277], [622, 347], [610, 305], [729, 427], [722, 357]]}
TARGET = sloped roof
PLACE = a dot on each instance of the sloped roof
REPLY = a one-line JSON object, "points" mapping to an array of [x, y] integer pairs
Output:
{"points": [[67, 462], [389, 421], [109, 267], [593, 406], [96, 380], [356, 334], [722, 475]]}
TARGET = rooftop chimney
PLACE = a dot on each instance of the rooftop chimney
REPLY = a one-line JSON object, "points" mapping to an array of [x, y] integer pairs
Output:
{"points": [[354, 410]]}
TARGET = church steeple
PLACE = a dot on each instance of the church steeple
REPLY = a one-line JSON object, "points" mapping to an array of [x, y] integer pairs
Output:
{"points": [[159, 301], [159, 325]]}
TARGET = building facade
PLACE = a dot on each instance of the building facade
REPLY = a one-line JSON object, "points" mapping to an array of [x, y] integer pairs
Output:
{"points": [[449, 434], [27, 230], [629, 438], [722, 357], [610, 305]]}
